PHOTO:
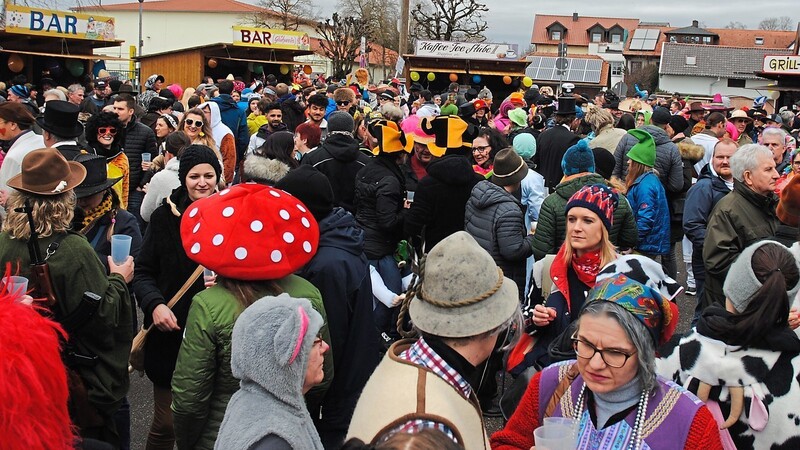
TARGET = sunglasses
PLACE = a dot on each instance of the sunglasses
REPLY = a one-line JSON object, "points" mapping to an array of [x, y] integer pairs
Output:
{"points": [[345, 103], [193, 123], [107, 130]]}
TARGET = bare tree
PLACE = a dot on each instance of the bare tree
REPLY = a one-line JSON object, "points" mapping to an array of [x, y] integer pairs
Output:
{"points": [[381, 16], [736, 26], [340, 39], [776, 23], [282, 14], [445, 20]]}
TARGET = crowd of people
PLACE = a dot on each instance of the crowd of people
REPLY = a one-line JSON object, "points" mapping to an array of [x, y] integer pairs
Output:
{"points": [[327, 264]]}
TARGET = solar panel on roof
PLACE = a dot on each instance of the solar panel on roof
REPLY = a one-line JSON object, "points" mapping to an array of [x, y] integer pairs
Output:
{"points": [[636, 44], [578, 69], [644, 39]]}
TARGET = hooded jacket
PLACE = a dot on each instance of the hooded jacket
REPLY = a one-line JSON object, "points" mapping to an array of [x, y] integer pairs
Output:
{"points": [[340, 160], [700, 201], [236, 120], [496, 220], [668, 159], [224, 138], [440, 200], [261, 169], [160, 187], [270, 397], [340, 271], [258, 139], [551, 230], [380, 192], [649, 204], [690, 155]]}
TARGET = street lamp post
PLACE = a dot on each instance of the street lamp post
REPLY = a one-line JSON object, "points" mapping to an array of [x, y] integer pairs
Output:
{"points": [[139, 52]]}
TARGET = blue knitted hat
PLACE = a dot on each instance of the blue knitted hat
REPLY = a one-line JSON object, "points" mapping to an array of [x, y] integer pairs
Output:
{"points": [[578, 158], [21, 91]]}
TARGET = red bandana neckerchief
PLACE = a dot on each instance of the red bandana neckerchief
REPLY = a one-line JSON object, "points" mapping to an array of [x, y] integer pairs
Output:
{"points": [[586, 268]]}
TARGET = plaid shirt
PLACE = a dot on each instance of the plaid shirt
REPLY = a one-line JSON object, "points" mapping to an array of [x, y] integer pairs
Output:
{"points": [[422, 354]]}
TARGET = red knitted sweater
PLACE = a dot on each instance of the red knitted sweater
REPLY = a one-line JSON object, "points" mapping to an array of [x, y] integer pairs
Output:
{"points": [[518, 433]]}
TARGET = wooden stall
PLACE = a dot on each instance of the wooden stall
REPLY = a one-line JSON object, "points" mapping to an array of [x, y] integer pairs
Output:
{"points": [[252, 52]]}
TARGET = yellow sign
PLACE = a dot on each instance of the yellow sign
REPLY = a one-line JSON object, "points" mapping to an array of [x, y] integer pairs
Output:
{"points": [[269, 38], [67, 24]]}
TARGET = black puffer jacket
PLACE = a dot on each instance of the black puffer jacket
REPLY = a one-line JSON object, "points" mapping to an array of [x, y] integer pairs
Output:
{"points": [[496, 220], [380, 191], [138, 139], [161, 269], [340, 160], [668, 159], [440, 199]]}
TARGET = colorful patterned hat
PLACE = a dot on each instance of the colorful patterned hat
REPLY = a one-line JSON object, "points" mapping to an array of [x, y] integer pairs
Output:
{"points": [[451, 133], [658, 315], [391, 138], [598, 198]]}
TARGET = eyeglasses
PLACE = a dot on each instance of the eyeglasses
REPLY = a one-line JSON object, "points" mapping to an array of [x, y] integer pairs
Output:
{"points": [[612, 358], [107, 130], [345, 103], [481, 149], [193, 123]]}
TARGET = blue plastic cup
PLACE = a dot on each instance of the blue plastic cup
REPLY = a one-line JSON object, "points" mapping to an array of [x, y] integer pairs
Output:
{"points": [[146, 157], [16, 285], [120, 248]]}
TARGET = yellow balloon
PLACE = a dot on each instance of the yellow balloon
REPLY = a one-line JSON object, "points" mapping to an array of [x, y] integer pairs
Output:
{"points": [[284, 69], [431, 76], [527, 82], [414, 76]]}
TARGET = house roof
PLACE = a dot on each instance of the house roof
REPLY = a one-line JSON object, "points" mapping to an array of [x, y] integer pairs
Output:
{"points": [[662, 37], [693, 31], [715, 60], [217, 6], [577, 31], [747, 38]]}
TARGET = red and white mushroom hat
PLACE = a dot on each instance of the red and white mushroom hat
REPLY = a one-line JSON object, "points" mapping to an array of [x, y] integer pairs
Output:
{"points": [[250, 232]]}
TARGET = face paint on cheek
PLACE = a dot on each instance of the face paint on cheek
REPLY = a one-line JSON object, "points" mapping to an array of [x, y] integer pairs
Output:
{"points": [[3, 131]]}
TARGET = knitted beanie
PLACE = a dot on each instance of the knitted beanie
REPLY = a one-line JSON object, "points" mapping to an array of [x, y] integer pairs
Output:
{"points": [[644, 152], [788, 210], [598, 198], [661, 116], [20, 91], [741, 282], [311, 187], [578, 159], [341, 121], [197, 154], [525, 145], [603, 162], [678, 123]]}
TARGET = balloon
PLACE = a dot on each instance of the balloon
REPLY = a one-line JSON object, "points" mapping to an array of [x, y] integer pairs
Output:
{"points": [[16, 63], [515, 84], [527, 82], [431, 76], [476, 79], [251, 67], [414, 76], [453, 77], [54, 66], [258, 69], [506, 79], [284, 69], [212, 63], [307, 69], [75, 67]]}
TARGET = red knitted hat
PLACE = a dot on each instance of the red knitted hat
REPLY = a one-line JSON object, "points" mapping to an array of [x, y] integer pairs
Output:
{"points": [[788, 210], [598, 198], [250, 232]]}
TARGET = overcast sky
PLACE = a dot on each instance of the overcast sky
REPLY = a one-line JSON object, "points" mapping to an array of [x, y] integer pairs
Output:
{"points": [[512, 21]]}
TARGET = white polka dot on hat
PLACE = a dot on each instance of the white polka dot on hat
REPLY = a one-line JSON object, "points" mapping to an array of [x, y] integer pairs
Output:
{"points": [[250, 232]]}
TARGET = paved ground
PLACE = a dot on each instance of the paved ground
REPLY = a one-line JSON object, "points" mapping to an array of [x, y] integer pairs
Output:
{"points": [[141, 393]]}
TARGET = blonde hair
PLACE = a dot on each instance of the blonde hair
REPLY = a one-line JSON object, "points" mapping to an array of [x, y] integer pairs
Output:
{"points": [[597, 118], [608, 252], [51, 214]]}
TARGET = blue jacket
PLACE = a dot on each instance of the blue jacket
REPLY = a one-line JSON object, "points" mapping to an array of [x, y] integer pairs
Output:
{"points": [[700, 200], [236, 120], [651, 210], [330, 109]]}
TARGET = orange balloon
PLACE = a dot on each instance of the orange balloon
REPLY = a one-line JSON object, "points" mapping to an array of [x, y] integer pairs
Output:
{"points": [[16, 63], [453, 77], [507, 79], [307, 69], [212, 63]]}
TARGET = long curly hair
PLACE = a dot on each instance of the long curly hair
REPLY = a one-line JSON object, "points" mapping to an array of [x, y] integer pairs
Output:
{"points": [[51, 214], [104, 119], [34, 380], [205, 137]]}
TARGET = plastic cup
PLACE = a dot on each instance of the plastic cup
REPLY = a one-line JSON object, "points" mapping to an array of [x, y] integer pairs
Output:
{"points": [[17, 285], [207, 273], [554, 437], [120, 248], [410, 196], [146, 157]]}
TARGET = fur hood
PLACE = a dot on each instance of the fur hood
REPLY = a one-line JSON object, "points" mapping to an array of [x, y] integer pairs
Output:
{"points": [[263, 170], [691, 151]]}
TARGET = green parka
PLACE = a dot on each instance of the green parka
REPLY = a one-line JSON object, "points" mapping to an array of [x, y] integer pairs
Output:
{"points": [[552, 226], [202, 383]]}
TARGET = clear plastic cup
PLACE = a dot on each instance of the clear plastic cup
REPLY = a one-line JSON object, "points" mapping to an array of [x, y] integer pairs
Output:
{"points": [[146, 157], [17, 285], [410, 196], [554, 437], [120, 248]]}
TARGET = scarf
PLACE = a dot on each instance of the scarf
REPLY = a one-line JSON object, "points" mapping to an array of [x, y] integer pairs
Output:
{"points": [[94, 214], [586, 268]]}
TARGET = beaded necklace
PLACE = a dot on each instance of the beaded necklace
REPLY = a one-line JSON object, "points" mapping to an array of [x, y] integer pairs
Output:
{"points": [[636, 437]]}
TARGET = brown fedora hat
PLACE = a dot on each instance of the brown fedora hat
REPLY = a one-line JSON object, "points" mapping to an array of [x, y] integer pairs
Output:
{"points": [[46, 172]]}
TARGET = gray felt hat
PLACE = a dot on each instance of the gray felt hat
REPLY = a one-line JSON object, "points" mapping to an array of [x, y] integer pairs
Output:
{"points": [[463, 291], [741, 282]]}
